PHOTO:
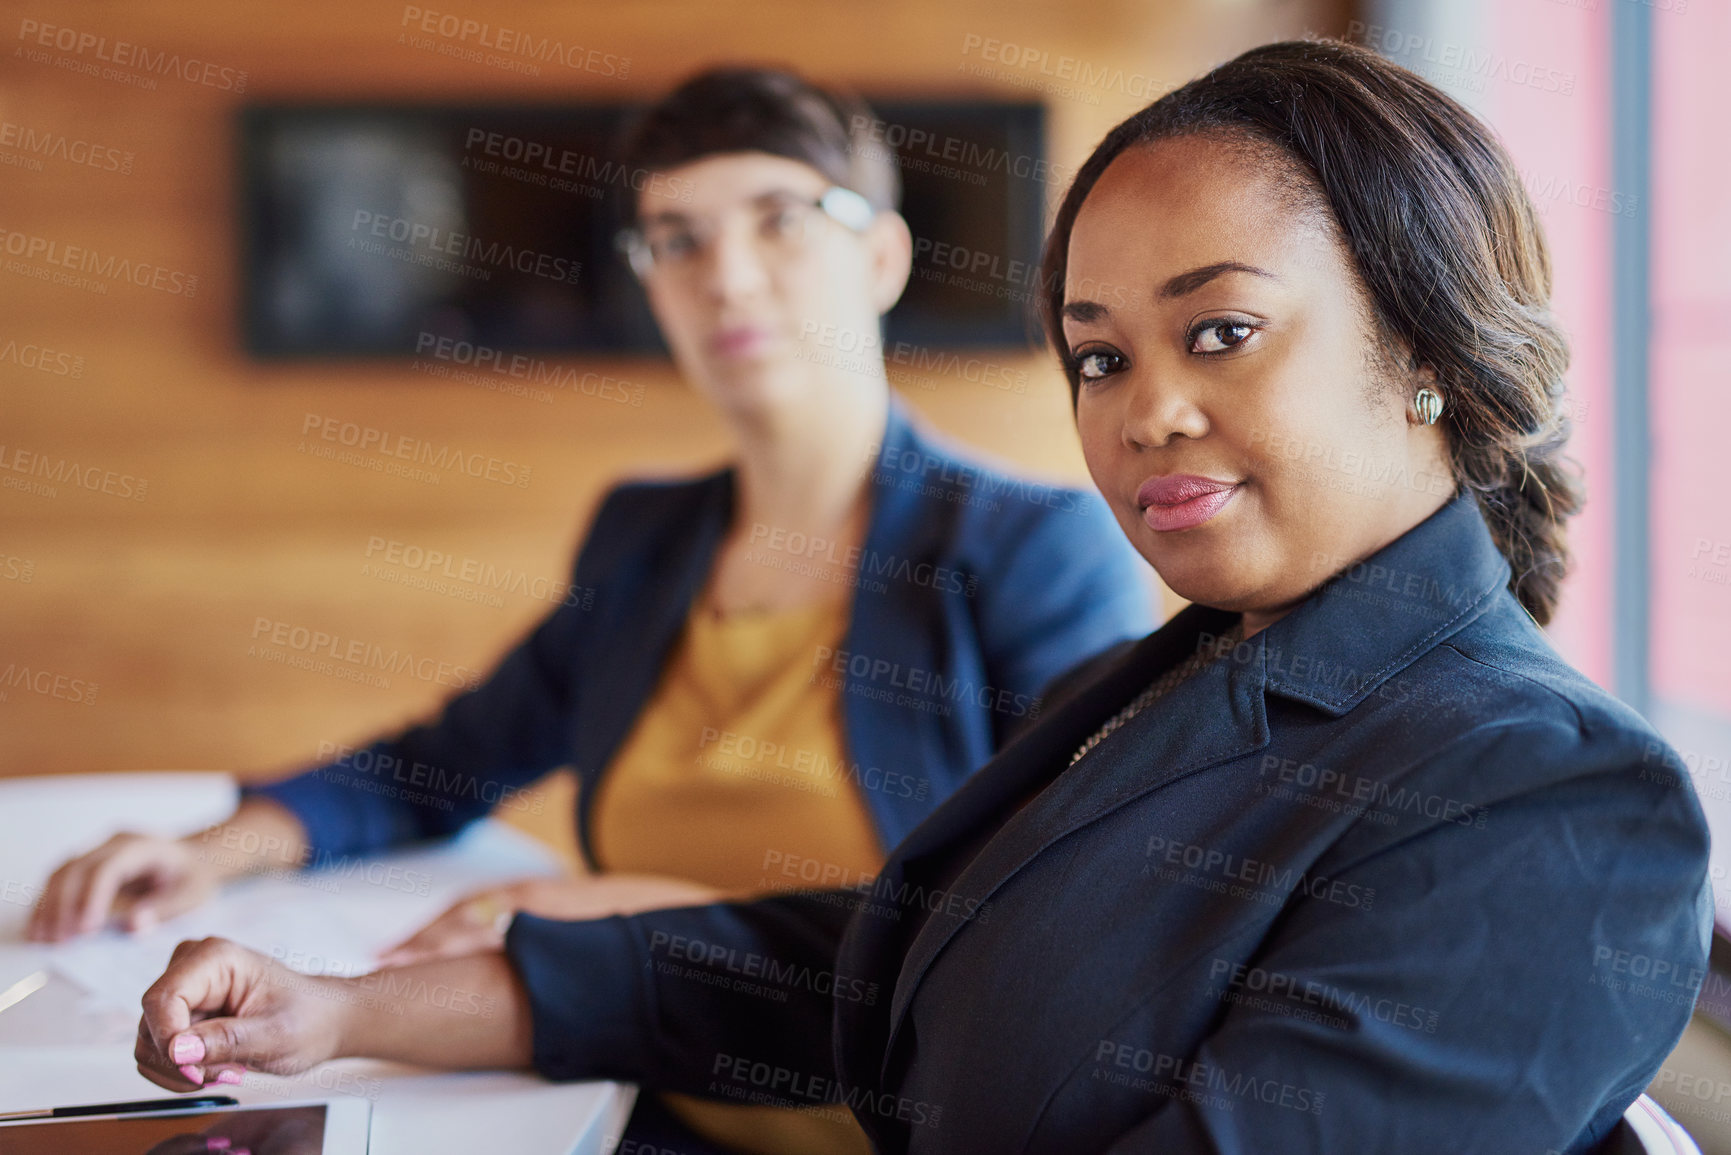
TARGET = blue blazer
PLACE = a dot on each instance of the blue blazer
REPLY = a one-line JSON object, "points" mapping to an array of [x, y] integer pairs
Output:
{"points": [[975, 589], [1390, 876]]}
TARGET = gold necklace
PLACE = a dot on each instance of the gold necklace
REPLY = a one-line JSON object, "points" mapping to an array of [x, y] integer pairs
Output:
{"points": [[1162, 685]]}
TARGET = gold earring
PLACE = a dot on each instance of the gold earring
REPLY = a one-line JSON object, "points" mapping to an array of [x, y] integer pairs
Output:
{"points": [[1428, 404]]}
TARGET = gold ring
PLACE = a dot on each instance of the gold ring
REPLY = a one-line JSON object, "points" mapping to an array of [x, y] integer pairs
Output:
{"points": [[489, 911]]}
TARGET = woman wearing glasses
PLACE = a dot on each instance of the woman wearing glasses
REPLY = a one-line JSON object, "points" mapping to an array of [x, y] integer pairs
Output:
{"points": [[776, 671]]}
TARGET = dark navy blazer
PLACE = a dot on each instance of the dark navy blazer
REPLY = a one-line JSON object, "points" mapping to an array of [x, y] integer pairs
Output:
{"points": [[975, 589], [1388, 877]]}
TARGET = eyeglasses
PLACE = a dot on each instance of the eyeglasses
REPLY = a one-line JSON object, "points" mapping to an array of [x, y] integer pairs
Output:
{"points": [[785, 228]]}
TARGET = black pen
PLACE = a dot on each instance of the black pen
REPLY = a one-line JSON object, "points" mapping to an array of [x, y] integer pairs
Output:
{"points": [[196, 1103]]}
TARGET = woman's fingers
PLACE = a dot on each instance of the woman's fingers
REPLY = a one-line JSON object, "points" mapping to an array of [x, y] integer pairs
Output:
{"points": [[219, 1050], [101, 883], [424, 941], [83, 892], [217, 1011], [200, 981], [143, 909], [67, 898], [467, 927], [477, 923], [45, 919], [440, 940], [148, 1058], [193, 1075], [63, 897]]}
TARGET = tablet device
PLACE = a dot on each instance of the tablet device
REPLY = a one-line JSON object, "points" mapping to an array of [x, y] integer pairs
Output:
{"points": [[335, 1127]]}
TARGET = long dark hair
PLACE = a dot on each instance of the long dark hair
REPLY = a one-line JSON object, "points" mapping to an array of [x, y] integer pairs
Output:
{"points": [[1447, 246]]}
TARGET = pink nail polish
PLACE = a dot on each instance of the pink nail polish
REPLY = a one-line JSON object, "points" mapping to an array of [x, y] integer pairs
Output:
{"points": [[192, 1074], [217, 1143], [230, 1076], [187, 1049]]}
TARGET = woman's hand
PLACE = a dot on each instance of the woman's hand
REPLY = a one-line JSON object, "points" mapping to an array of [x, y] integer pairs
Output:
{"points": [[139, 878], [220, 1009], [144, 879], [477, 923]]}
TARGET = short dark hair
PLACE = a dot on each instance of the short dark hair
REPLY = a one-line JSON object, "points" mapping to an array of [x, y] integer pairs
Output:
{"points": [[1446, 244], [771, 110]]}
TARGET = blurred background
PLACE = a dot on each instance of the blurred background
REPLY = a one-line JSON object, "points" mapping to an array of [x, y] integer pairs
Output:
{"points": [[192, 318]]}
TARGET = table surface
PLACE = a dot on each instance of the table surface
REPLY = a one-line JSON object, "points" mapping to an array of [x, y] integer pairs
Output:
{"points": [[70, 1041]]}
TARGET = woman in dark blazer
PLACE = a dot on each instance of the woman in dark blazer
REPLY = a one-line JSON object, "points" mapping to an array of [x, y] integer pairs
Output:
{"points": [[1344, 858]]}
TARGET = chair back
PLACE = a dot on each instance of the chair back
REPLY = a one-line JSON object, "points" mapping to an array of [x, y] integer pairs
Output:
{"points": [[1647, 1129]]}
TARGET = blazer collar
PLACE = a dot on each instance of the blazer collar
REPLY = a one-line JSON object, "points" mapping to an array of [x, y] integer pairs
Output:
{"points": [[673, 566], [1371, 621], [901, 520], [1349, 637]]}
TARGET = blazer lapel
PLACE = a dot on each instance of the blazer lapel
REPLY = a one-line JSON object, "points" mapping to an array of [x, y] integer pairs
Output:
{"points": [[874, 943], [1029, 760], [625, 661], [1213, 716]]}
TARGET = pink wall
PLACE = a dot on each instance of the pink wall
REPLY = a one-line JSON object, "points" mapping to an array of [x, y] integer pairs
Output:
{"points": [[1562, 144], [1691, 356]]}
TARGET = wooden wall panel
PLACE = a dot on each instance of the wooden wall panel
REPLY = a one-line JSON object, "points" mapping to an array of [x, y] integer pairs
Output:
{"points": [[153, 601]]}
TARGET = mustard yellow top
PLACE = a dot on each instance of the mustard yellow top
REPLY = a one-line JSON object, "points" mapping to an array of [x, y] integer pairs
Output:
{"points": [[736, 775]]}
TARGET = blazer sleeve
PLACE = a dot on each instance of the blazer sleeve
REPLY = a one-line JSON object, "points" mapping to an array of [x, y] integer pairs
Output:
{"points": [[1512, 988], [1064, 586], [486, 743], [719, 1001]]}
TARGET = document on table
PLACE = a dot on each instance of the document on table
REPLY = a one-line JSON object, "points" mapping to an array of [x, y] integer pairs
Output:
{"points": [[116, 969], [329, 921]]}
